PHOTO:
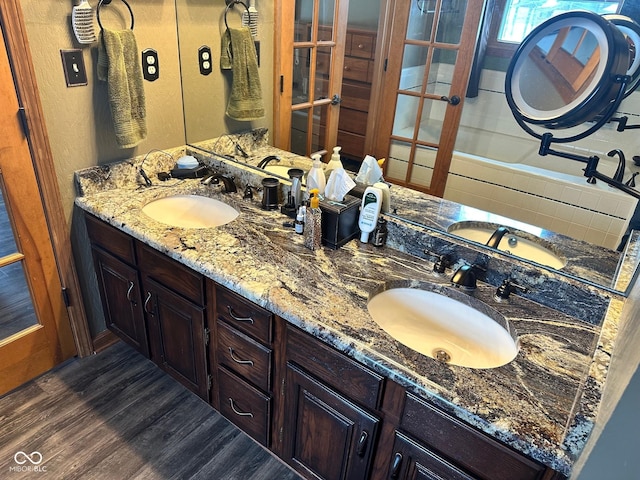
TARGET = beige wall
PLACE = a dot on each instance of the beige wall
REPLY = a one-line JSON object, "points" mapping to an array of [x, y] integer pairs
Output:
{"points": [[78, 119]]}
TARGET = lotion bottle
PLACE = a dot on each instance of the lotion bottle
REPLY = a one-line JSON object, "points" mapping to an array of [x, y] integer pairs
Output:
{"points": [[335, 163], [315, 177], [369, 211]]}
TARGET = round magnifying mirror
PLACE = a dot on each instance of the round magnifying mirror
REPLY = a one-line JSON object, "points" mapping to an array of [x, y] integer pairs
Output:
{"points": [[631, 31], [567, 70]]}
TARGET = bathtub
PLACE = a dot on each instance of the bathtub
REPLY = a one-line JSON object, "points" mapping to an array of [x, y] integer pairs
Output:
{"points": [[547, 192]]}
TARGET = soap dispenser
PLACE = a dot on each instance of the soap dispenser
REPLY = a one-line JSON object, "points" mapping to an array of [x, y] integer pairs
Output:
{"points": [[313, 222], [335, 163], [315, 177]]}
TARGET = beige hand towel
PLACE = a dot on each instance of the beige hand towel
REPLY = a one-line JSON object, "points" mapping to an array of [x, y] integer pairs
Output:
{"points": [[119, 66], [239, 55]]}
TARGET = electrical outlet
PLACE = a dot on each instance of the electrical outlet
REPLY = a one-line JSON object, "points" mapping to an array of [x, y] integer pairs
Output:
{"points": [[204, 60], [75, 73], [150, 65]]}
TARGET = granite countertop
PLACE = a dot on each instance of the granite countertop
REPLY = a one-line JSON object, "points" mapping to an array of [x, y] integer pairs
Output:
{"points": [[543, 403]]}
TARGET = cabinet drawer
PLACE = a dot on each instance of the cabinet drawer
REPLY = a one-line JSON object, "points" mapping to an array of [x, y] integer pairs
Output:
{"points": [[244, 356], [335, 369], [352, 144], [353, 121], [356, 69], [361, 45], [111, 239], [245, 406], [356, 96], [244, 315], [464, 446], [171, 273]]}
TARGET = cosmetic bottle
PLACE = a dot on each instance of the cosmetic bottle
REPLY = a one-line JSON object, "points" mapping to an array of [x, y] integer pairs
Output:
{"points": [[369, 211], [313, 223]]}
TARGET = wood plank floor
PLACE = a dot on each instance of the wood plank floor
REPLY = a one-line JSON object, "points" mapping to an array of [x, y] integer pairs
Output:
{"points": [[117, 416]]}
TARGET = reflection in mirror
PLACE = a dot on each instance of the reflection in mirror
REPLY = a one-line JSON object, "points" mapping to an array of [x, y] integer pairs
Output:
{"points": [[487, 141], [567, 71]]}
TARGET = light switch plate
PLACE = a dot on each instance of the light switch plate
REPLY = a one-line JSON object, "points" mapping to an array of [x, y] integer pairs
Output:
{"points": [[75, 72]]}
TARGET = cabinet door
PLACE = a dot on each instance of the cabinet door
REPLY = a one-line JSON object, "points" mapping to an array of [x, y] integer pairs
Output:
{"points": [[325, 434], [120, 293], [412, 461], [177, 336]]}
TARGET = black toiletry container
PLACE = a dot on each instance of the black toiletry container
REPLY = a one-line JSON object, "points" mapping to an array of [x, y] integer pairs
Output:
{"points": [[339, 221]]}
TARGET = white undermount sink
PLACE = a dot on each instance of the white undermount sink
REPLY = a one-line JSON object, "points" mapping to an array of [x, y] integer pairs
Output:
{"points": [[190, 211], [444, 324], [530, 248]]}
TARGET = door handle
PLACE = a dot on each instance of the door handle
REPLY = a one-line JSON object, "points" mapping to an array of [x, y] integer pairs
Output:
{"points": [[362, 443], [146, 302], [335, 100], [396, 465], [455, 100]]}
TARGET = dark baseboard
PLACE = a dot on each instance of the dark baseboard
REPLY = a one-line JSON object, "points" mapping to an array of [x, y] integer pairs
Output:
{"points": [[104, 340]]}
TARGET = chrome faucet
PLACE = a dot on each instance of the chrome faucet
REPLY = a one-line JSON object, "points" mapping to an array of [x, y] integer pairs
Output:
{"points": [[265, 161], [229, 186], [619, 175], [496, 236]]}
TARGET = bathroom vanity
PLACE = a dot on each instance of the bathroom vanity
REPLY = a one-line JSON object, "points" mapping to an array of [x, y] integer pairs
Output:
{"points": [[279, 340]]}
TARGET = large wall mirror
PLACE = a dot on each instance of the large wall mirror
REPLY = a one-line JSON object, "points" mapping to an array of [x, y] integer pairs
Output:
{"points": [[487, 130]]}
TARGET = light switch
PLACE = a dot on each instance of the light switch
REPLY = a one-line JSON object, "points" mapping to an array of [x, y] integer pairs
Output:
{"points": [[75, 73], [150, 65]]}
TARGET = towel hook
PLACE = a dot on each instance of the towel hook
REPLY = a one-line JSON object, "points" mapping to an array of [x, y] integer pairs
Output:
{"points": [[107, 2], [230, 5]]}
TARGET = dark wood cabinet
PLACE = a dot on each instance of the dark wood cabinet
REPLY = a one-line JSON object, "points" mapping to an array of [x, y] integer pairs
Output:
{"points": [[326, 435], [119, 283], [121, 299], [325, 414], [330, 426], [153, 303], [242, 362]]}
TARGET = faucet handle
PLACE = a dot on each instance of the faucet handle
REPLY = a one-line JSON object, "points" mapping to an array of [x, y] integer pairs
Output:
{"points": [[443, 261], [507, 288]]}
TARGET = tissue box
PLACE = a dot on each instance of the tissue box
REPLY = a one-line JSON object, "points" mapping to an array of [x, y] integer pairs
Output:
{"points": [[339, 221]]}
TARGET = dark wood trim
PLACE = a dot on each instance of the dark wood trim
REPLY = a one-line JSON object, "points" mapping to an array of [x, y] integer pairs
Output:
{"points": [[104, 340], [22, 66]]}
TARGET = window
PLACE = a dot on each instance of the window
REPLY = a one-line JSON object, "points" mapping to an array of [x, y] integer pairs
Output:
{"points": [[512, 20]]}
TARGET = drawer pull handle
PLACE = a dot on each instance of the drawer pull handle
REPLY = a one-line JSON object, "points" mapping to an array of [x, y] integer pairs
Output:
{"points": [[237, 360], [238, 412], [239, 319], [146, 302], [362, 443], [396, 465], [131, 285]]}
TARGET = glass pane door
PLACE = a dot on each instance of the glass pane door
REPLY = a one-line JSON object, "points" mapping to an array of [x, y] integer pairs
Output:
{"points": [[429, 60], [16, 306], [311, 75]]}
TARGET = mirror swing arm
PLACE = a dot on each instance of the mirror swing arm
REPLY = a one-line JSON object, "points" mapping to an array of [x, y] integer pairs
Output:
{"points": [[590, 171]]}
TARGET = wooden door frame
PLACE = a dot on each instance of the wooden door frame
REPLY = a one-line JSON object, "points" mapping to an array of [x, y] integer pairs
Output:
{"points": [[12, 22]]}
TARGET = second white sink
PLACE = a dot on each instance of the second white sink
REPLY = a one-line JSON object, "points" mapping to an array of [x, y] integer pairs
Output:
{"points": [[190, 211], [453, 327]]}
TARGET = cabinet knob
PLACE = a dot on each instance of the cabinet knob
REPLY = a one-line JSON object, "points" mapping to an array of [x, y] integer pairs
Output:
{"points": [[360, 46]]}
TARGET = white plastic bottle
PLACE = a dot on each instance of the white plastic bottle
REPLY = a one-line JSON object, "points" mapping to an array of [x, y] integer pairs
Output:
{"points": [[334, 163], [315, 177], [369, 211]]}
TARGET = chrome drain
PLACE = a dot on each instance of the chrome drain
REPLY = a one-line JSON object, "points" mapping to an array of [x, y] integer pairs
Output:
{"points": [[441, 355]]}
